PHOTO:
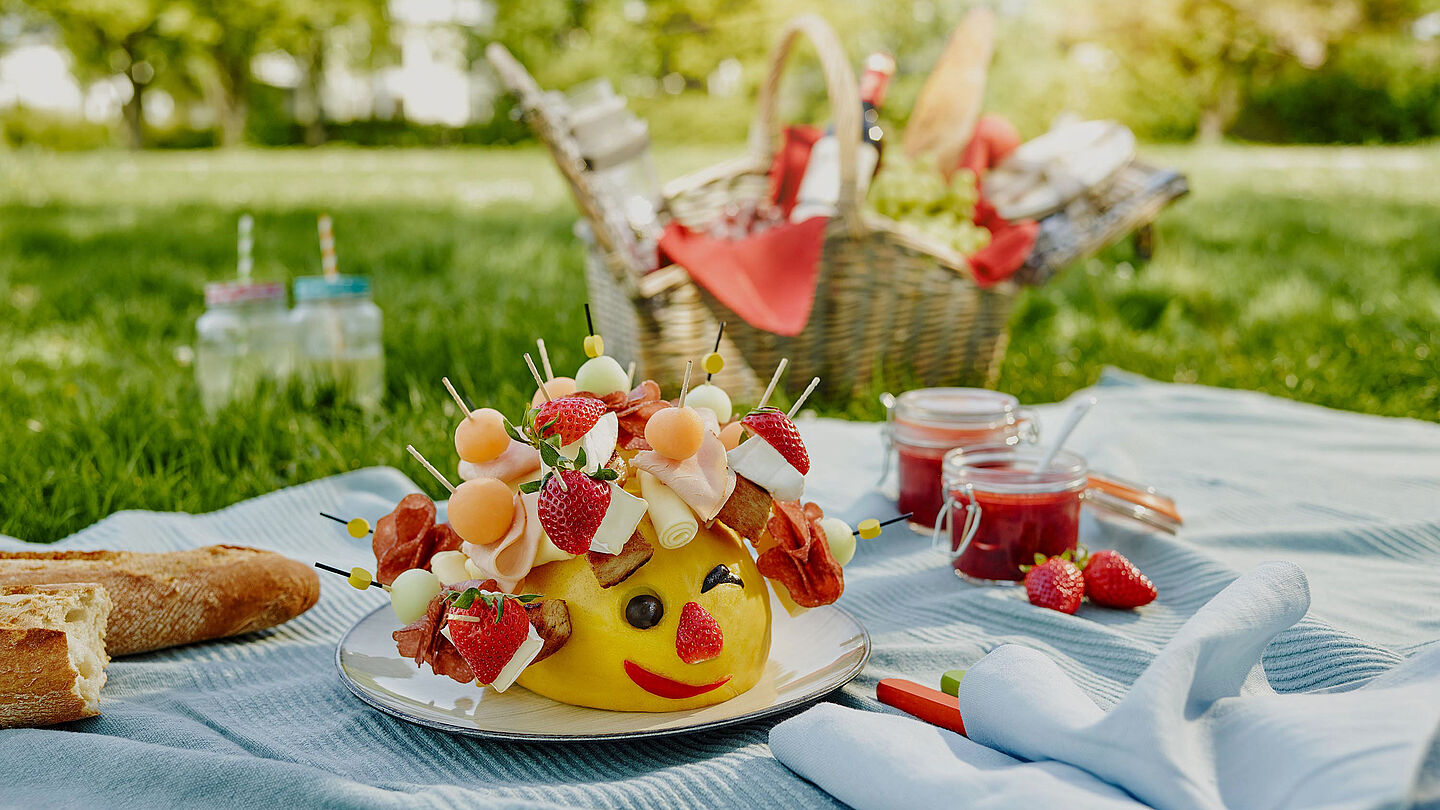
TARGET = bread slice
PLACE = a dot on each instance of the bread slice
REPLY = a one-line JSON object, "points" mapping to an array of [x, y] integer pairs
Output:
{"points": [[177, 597], [52, 653]]}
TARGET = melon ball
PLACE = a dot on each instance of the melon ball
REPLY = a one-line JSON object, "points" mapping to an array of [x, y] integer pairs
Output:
{"points": [[481, 510], [730, 435], [411, 592], [481, 436], [712, 397], [557, 388], [841, 539], [602, 375], [675, 432]]}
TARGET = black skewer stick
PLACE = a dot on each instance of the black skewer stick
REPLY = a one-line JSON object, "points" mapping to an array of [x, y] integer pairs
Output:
{"points": [[590, 325], [883, 524], [718, 335], [340, 520], [332, 569]]}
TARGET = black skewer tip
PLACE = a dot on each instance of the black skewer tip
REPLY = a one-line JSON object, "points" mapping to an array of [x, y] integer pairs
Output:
{"points": [[589, 324]]}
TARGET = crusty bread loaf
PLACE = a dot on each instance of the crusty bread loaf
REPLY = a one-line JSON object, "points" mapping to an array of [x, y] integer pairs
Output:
{"points": [[52, 653], [177, 597]]}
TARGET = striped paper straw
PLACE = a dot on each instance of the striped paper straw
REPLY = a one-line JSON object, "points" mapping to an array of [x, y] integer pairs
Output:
{"points": [[245, 245], [327, 246]]}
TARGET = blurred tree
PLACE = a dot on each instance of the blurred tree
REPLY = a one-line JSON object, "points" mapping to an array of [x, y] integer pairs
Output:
{"points": [[306, 33], [110, 37]]}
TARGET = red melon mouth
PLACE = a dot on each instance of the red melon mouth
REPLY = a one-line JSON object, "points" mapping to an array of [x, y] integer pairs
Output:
{"points": [[661, 686]]}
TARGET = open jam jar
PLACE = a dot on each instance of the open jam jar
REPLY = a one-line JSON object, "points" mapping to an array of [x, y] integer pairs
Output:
{"points": [[1000, 511], [923, 425]]}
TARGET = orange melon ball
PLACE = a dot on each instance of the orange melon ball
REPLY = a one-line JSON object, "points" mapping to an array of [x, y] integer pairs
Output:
{"points": [[730, 435], [481, 510], [481, 437], [558, 387], [675, 432]]}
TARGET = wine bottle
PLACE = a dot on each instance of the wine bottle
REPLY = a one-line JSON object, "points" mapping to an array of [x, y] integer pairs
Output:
{"points": [[820, 187]]}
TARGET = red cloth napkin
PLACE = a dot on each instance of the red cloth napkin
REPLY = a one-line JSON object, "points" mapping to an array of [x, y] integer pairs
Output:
{"points": [[769, 278], [1010, 242]]}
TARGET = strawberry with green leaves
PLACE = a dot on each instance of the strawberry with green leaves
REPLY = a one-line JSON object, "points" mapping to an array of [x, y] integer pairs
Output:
{"points": [[1113, 581], [487, 629], [1055, 583]]}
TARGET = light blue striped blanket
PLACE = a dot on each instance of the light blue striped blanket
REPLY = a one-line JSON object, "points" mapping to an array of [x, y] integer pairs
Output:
{"points": [[263, 721]]}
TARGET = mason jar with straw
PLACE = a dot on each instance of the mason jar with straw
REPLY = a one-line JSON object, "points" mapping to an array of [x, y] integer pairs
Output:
{"points": [[338, 330]]}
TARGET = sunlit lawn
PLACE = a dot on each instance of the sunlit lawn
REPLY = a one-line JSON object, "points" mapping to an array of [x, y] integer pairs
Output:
{"points": [[1307, 273]]}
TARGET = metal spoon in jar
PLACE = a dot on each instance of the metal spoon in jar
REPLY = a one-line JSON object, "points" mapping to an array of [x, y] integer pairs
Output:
{"points": [[1071, 420]]}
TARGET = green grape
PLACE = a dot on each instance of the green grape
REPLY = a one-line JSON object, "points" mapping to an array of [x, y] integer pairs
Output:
{"points": [[911, 191]]}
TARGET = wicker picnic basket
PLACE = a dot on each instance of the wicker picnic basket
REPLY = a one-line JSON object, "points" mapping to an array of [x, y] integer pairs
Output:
{"points": [[891, 306]]}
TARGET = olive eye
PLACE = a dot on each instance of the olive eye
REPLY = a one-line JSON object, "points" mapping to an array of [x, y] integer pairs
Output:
{"points": [[644, 611], [720, 575]]}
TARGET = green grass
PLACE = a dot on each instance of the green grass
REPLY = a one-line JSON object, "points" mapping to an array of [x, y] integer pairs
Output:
{"points": [[1306, 273]]}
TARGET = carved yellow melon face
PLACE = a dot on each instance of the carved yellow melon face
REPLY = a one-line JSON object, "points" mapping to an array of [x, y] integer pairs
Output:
{"points": [[622, 653]]}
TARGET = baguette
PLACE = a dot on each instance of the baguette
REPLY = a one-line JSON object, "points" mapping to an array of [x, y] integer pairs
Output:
{"points": [[52, 653], [177, 597]]}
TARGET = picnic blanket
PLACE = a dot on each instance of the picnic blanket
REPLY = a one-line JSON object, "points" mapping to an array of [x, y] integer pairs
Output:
{"points": [[263, 721]]}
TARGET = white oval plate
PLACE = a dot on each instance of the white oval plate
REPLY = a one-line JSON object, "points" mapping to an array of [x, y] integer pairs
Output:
{"points": [[811, 655]]}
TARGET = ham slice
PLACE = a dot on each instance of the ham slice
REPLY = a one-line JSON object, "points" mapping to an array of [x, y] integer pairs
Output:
{"points": [[633, 411], [703, 481], [799, 557], [514, 463], [510, 558]]}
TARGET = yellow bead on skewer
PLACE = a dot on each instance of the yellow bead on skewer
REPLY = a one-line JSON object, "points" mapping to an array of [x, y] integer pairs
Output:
{"points": [[357, 527], [360, 579], [868, 529], [713, 363], [594, 346]]}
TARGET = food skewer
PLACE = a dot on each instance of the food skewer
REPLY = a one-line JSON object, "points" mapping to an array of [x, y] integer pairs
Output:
{"points": [[536, 374], [869, 528], [360, 579], [774, 379], [713, 359], [545, 360], [685, 384], [594, 344], [794, 409], [464, 407], [442, 479], [356, 527]]}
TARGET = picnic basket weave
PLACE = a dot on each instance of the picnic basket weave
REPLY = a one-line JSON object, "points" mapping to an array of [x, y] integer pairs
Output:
{"points": [[892, 307]]}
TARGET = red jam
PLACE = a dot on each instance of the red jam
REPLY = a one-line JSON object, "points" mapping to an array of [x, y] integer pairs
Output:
{"points": [[1022, 513], [929, 422]]}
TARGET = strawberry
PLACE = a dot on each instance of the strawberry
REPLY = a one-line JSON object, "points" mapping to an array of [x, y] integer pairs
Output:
{"points": [[1113, 581], [698, 637], [571, 515], [572, 416], [488, 645], [1055, 583], [772, 425]]}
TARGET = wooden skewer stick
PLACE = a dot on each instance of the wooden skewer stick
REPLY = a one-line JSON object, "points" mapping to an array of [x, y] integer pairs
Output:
{"points": [[545, 360], [718, 335], [685, 384], [884, 523], [465, 409], [630, 376], [774, 379], [428, 466], [794, 409], [536, 374]]}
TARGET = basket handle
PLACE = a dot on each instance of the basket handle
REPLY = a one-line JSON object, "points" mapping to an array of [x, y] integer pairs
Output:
{"points": [[844, 98]]}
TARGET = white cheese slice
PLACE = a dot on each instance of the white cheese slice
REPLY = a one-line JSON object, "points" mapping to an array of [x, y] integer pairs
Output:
{"points": [[675, 523], [529, 649], [621, 518], [758, 461]]}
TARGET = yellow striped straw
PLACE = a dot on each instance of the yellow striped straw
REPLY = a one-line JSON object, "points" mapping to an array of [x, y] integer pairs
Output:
{"points": [[328, 264]]}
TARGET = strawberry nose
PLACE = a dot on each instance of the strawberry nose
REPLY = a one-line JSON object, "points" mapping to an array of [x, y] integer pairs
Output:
{"points": [[698, 636]]}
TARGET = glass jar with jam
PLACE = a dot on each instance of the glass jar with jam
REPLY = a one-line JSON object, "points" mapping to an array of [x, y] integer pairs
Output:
{"points": [[1000, 510], [923, 425]]}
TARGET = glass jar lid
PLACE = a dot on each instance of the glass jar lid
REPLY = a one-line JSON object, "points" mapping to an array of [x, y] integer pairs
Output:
{"points": [[227, 293], [1012, 469], [950, 417], [329, 288]]}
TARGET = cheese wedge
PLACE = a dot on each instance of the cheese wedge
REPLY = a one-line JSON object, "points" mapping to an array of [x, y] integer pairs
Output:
{"points": [[675, 523], [758, 461], [621, 518]]}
